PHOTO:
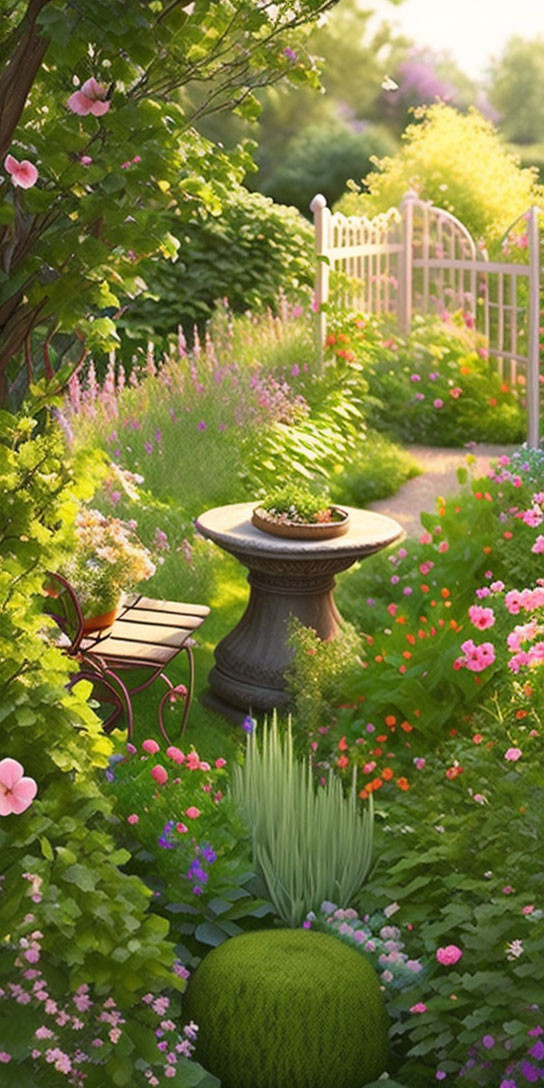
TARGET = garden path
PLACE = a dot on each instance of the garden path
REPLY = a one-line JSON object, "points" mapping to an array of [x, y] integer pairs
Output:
{"points": [[439, 477]]}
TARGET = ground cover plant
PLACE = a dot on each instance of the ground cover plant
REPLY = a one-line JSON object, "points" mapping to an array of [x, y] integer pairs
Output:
{"points": [[433, 385], [442, 720]]}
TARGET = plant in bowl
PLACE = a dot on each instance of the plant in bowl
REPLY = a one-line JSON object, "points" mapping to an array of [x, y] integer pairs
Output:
{"points": [[298, 511], [107, 559]]}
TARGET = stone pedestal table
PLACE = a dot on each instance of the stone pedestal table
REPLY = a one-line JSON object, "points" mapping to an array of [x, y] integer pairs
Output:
{"points": [[287, 577]]}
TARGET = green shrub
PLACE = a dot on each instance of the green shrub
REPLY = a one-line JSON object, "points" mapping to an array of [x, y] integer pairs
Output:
{"points": [[96, 927], [375, 470], [308, 845], [318, 673], [246, 254], [459, 162], [285, 1007], [322, 158], [435, 385]]}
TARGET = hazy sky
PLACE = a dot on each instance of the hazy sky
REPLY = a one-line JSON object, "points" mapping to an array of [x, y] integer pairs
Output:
{"points": [[471, 30]]}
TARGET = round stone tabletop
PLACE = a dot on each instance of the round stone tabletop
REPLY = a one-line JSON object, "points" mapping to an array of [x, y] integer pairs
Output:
{"points": [[231, 528]]}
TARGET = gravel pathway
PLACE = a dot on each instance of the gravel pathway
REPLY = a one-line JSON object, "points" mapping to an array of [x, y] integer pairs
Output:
{"points": [[439, 477]]}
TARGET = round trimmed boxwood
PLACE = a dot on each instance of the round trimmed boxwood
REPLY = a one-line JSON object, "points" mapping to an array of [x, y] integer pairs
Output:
{"points": [[288, 1008]]}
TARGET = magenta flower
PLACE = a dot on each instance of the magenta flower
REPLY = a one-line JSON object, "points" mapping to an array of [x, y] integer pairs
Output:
{"points": [[159, 774], [419, 1007], [133, 818], [513, 754], [192, 812], [477, 658], [438, 403], [448, 955], [481, 617], [23, 174], [16, 791], [150, 746], [175, 753], [90, 99]]}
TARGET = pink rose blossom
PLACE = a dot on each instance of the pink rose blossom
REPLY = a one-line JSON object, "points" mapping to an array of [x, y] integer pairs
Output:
{"points": [[90, 99], [193, 761], [419, 1007], [538, 546], [17, 791], [23, 174], [192, 812], [159, 774], [220, 762], [133, 818], [150, 746], [448, 955]]}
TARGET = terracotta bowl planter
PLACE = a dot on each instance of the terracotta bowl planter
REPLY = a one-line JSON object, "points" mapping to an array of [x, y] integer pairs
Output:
{"points": [[99, 623], [294, 530]]}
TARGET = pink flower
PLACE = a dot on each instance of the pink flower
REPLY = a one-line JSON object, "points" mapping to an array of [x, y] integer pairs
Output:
{"points": [[419, 1007], [477, 658], [220, 762], [23, 174], [150, 746], [90, 99], [507, 890], [133, 818], [175, 753], [538, 546], [481, 617], [528, 909], [192, 812], [419, 763], [203, 766], [438, 403], [181, 828], [16, 792], [159, 774], [448, 955], [513, 754], [193, 761]]}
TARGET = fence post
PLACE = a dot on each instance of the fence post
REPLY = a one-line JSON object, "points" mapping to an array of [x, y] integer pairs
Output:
{"points": [[405, 263], [322, 217], [533, 361]]}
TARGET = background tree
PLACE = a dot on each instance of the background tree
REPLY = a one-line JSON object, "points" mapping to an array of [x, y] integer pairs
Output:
{"points": [[516, 89], [97, 142]]}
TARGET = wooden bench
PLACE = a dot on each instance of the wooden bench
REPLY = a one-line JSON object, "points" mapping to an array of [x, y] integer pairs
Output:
{"points": [[130, 655]]}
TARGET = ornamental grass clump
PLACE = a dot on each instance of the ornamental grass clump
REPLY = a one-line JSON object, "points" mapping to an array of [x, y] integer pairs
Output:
{"points": [[288, 1009], [308, 844]]}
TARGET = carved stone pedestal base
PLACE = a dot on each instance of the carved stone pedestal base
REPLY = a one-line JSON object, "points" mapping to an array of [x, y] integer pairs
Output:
{"points": [[287, 578]]}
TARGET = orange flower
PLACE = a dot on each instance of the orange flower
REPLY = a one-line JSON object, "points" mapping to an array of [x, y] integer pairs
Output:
{"points": [[521, 713], [411, 639], [507, 535], [492, 402], [342, 744], [390, 719], [363, 794], [374, 785], [377, 752], [403, 784], [402, 669], [424, 588], [406, 654], [406, 726], [487, 550], [381, 738], [445, 593], [342, 762], [387, 774]]}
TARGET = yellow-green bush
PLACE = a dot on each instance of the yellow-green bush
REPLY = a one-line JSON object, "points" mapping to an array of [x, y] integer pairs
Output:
{"points": [[457, 161]]}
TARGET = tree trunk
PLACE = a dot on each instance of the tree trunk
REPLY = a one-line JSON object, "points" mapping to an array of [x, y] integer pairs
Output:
{"points": [[19, 74]]}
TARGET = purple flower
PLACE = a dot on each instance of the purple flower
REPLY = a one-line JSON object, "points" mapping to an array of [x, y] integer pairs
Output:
{"points": [[290, 54], [537, 1051], [530, 1072], [248, 724], [197, 890], [148, 447], [208, 853], [295, 370], [488, 1041], [201, 426]]}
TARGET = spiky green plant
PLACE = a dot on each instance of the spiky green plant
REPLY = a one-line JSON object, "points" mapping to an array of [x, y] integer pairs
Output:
{"points": [[309, 844], [288, 1008]]}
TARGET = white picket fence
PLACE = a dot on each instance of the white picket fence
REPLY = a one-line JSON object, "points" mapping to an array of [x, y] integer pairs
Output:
{"points": [[419, 258]]}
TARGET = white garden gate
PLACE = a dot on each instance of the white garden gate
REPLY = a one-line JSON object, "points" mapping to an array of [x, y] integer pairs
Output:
{"points": [[421, 258]]}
